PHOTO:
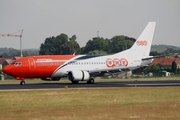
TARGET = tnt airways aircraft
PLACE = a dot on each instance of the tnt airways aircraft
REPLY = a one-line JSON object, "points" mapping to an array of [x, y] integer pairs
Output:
{"points": [[84, 67]]}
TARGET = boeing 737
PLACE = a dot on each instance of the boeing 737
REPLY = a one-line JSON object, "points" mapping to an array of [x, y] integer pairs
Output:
{"points": [[84, 67]]}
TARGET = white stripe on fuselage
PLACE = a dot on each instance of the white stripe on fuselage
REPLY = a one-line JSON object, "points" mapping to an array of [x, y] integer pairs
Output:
{"points": [[93, 64]]}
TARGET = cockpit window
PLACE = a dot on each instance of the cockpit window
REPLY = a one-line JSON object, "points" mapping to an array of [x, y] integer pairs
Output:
{"points": [[17, 63]]}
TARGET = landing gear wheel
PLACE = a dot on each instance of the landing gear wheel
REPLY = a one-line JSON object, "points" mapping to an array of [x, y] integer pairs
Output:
{"points": [[75, 82], [90, 81], [22, 83]]}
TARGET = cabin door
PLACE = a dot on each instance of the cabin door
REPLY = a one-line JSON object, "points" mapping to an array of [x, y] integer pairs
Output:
{"points": [[32, 65]]}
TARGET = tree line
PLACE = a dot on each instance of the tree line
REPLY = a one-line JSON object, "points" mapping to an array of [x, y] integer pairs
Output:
{"points": [[11, 52], [64, 45]]}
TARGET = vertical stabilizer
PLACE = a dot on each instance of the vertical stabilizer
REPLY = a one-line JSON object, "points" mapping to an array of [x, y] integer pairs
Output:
{"points": [[142, 45]]}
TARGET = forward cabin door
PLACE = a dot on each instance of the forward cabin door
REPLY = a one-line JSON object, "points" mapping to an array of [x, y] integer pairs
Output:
{"points": [[32, 65]]}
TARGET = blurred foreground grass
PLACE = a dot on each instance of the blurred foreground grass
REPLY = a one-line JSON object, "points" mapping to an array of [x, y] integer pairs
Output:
{"points": [[149, 103]]}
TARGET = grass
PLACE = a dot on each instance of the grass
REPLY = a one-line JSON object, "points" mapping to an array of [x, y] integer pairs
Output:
{"points": [[134, 103]]}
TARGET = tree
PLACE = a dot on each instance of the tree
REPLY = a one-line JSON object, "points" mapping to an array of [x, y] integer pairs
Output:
{"points": [[97, 52], [70, 47], [59, 45], [114, 45], [97, 43], [174, 67], [73, 38], [166, 52], [152, 68], [120, 43], [154, 53]]}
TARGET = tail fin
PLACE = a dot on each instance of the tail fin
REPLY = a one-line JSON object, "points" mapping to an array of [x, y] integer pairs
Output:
{"points": [[142, 45]]}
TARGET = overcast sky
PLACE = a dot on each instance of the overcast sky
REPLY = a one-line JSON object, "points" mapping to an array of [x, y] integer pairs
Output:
{"points": [[45, 18]]}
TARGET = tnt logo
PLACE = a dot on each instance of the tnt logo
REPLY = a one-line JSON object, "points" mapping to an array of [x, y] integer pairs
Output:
{"points": [[116, 62], [141, 42]]}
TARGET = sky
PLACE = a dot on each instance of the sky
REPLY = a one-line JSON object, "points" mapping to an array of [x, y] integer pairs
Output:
{"points": [[41, 19]]}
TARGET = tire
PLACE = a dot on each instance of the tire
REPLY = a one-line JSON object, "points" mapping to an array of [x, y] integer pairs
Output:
{"points": [[90, 81], [22, 82]]}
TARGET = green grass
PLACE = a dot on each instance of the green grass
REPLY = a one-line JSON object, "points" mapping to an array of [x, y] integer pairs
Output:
{"points": [[135, 103]]}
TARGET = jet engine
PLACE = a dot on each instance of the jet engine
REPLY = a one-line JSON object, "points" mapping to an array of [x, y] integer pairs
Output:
{"points": [[78, 75]]}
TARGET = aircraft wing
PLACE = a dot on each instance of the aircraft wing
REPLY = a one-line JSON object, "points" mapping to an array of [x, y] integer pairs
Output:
{"points": [[147, 58], [152, 57], [101, 72]]}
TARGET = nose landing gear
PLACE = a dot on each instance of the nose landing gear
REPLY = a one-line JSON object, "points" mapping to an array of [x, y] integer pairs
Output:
{"points": [[22, 82]]}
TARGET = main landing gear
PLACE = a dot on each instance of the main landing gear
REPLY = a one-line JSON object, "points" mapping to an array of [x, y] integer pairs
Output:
{"points": [[22, 82], [90, 81]]}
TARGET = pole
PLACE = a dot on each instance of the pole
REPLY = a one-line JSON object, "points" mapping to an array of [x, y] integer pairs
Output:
{"points": [[21, 46], [21, 43]]}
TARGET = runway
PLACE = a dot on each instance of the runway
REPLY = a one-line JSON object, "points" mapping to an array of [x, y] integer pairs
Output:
{"points": [[41, 86]]}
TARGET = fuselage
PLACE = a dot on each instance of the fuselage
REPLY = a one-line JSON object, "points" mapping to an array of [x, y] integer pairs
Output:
{"points": [[55, 66]]}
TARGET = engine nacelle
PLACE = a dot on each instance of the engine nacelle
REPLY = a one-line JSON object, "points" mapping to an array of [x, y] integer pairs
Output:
{"points": [[78, 75]]}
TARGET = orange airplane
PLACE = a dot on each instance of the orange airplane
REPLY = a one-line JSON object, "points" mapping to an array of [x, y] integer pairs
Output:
{"points": [[84, 67]]}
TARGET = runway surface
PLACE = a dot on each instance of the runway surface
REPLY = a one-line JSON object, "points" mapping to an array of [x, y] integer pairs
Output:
{"points": [[36, 86]]}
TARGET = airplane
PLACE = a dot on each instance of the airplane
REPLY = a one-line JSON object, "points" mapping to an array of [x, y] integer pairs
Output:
{"points": [[84, 67]]}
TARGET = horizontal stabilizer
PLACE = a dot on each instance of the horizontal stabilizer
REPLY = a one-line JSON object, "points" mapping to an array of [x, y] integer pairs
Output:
{"points": [[152, 57]]}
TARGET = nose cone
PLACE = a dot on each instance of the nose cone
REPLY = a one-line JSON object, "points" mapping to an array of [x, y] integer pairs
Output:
{"points": [[8, 70]]}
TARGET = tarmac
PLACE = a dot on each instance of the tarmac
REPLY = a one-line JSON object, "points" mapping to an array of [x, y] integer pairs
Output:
{"points": [[44, 86]]}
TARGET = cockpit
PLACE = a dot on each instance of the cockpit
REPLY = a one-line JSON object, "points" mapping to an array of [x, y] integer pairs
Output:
{"points": [[16, 63]]}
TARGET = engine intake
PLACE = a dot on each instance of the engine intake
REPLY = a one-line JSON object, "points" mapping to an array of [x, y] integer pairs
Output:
{"points": [[78, 75]]}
